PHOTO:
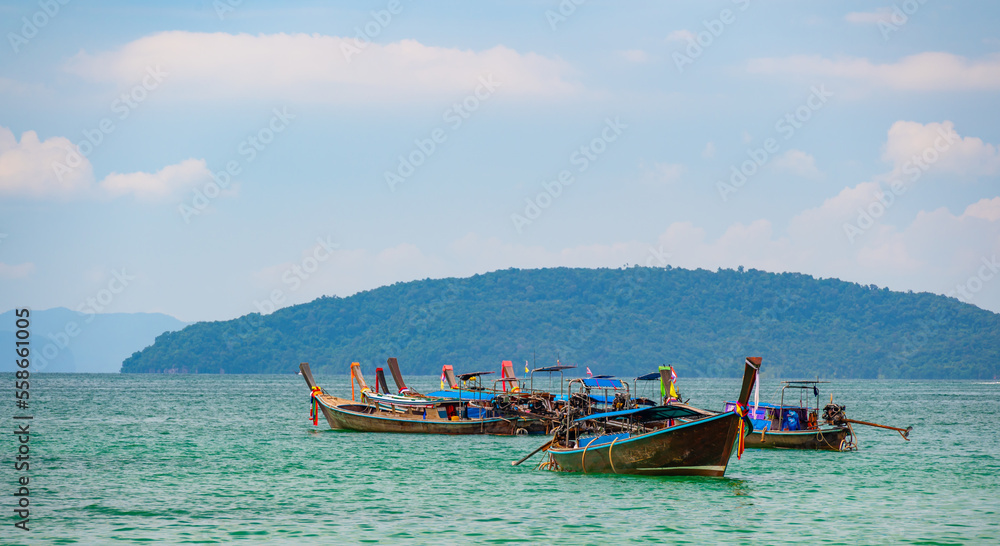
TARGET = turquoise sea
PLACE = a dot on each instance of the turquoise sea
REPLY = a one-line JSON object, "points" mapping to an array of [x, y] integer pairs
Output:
{"points": [[206, 459]]}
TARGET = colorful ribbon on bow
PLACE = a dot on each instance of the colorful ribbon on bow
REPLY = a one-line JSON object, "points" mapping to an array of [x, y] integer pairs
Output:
{"points": [[314, 410], [745, 422]]}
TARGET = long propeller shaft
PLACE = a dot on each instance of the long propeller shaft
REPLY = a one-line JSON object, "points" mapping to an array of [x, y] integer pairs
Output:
{"points": [[904, 432]]}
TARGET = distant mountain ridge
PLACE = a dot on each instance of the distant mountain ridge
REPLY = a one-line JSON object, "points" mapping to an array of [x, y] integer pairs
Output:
{"points": [[618, 321], [68, 341]]}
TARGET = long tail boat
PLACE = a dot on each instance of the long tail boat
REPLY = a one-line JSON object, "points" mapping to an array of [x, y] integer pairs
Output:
{"points": [[427, 416], [667, 440], [791, 426], [509, 395]]}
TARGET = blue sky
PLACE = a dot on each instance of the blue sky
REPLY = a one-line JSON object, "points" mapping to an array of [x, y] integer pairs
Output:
{"points": [[374, 142]]}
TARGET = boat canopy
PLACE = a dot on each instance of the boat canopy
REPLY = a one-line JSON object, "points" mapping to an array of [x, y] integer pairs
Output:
{"points": [[465, 395], [468, 376], [603, 383], [655, 413], [649, 376], [558, 368]]}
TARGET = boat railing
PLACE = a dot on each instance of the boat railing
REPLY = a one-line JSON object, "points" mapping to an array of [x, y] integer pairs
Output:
{"points": [[802, 386]]}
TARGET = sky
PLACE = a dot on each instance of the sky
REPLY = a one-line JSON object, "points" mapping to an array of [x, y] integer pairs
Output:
{"points": [[209, 159]]}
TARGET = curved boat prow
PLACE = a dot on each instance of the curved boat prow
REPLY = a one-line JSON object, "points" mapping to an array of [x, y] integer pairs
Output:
{"points": [[750, 369], [744, 426], [307, 375]]}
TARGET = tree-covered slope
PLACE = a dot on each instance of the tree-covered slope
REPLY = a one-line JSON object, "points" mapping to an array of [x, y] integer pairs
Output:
{"points": [[618, 321]]}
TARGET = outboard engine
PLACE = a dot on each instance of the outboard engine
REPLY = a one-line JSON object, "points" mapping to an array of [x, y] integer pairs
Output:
{"points": [[621, 402], [835, 414], [504, 403]]}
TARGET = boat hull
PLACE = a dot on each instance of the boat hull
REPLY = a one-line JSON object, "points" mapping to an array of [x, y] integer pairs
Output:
{"points": [[347, 415], [826, 438], [697, 448]]}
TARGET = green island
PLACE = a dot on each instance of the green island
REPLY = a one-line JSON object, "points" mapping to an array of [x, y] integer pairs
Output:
{"points": [[614, 321]]}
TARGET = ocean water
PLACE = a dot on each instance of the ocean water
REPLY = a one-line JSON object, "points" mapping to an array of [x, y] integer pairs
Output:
{"points": [[207, 459]]}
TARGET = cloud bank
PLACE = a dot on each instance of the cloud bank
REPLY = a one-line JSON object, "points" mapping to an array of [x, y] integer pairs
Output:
{"points": [[320, 68]]}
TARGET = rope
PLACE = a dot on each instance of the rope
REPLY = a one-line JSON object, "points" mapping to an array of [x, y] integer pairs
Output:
{"points": [[610, 459], [741, 444], [822, 436], [583, 456], [314, 410]]}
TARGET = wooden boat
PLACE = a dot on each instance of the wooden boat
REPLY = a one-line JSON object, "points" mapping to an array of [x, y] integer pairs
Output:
{"points": [[508, 395], [438, 417], [767, 433], [790, 426], [667, 440]]}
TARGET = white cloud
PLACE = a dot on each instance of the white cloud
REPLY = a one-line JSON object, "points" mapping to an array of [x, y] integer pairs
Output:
{"points": [[935, 252], [53, 168], [19, 271], [905, 141], [634, 56], [868, 17], [26, 167], [835, 210], [709, 151], [163, 184], [664, 174], [985, 209], [938, 145], [888, 254], [798, 163], [681, 36], [315, 67], [929, 71]]}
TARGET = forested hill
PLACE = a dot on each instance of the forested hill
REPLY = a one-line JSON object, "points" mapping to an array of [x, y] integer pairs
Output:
{"points": [[616, 321]]}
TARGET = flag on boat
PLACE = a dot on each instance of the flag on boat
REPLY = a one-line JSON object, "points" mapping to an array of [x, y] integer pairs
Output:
{"points": [[589, 373], [442, 378], [667, 389], [526, 367]]}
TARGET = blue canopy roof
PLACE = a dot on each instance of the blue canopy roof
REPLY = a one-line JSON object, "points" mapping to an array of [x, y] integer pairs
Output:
{"points": [[655, 413], [466, 395], [603, 383]]}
